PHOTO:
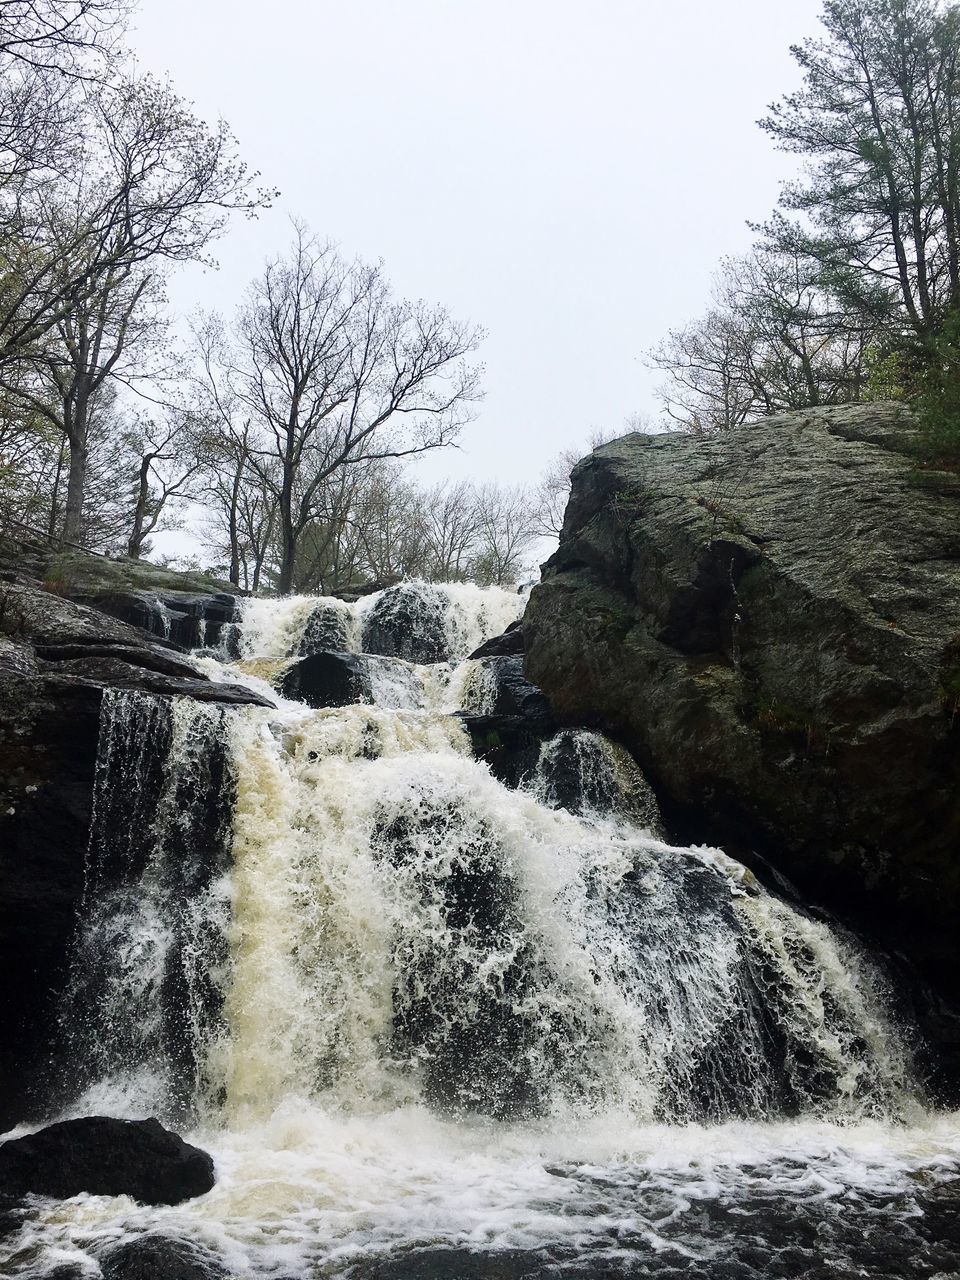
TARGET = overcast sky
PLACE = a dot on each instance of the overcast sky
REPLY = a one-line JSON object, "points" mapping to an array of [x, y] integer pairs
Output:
{"points": [[565, 174]]}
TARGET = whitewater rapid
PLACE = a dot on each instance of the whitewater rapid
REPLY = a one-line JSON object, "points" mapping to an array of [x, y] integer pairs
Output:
{"points": [[423, 1020]]}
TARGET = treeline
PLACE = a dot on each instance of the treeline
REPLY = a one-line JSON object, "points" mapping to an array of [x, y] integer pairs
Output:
{"points": [[283, 432], [852, 290]]}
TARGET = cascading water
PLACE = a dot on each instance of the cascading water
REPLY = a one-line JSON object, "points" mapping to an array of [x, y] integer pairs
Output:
{"points": [[429, 1025]]}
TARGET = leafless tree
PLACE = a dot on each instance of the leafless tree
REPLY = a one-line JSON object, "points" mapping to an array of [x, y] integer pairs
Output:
{"points": [[171, 448], [148, 182], [548, 500], [505, 534], [339, 373], [773, 340]]}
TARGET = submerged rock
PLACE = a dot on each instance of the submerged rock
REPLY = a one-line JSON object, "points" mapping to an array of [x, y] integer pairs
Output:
{"points": [[156, 1257], [104, 1156], [327, 629], [408, 621], [770, 621], [327, 680]]}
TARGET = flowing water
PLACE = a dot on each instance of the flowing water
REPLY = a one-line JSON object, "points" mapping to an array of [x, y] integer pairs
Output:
{"points": [[429, 1026]]}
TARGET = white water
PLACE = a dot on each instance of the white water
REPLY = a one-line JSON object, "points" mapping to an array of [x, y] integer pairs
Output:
{"points": [[447, 1014]]}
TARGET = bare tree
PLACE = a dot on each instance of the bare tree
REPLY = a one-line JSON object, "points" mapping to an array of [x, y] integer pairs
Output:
{"points": [[548, 500], [505, 534], [340, 373], [171, 449], [450, 527], [772, 341], [148, 181]]}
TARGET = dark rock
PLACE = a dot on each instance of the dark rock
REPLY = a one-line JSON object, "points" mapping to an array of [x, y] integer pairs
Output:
{"points": [[156, 1257], [770, 622], [516, 696], [108, 1157], [56, 660], [327, 680], [505, 645], [506, 743], [408, 621], [182, 618], [326, 630], [585, 773], [48, 751], [147, 659], [508, 736]]}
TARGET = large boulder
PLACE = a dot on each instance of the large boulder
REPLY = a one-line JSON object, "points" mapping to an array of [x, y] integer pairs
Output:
{"points": [[408, 621], [770, 621], [105, 1157], [187, 619], [507, 720], [327, 680], [509, 642]]}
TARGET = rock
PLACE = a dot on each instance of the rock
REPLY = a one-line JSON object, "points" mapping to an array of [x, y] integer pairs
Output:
{"points": [[56, 660], [509, 643], [584, 772], [506, 743], [104, 1156], [408, 621], [514, 695], [770, 621], [327, 629], [156, 1257], [183, 618], [65, 640], [327, 680], [509, 721]]}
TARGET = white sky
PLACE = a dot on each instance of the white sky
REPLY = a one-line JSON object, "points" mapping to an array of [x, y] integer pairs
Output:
{"points": [[565, 174]]}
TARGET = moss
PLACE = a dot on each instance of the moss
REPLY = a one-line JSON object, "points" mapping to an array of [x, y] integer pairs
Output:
{"points": [[73, 571], [790, 724]]}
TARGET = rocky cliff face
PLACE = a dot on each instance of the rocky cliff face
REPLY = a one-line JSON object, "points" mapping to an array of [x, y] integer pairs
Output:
{"points": [[770, 621], [56, 659]]}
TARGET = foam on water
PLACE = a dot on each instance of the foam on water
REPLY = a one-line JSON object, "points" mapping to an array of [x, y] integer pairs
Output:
{"points": [[311, 1192]]}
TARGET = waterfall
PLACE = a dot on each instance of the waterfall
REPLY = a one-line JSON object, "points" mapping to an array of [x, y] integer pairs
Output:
{"points": [[142, 1007], [373, 976]]}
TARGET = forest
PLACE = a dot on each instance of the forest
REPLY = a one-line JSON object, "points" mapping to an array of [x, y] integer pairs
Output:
{"points": [[283, 434]]}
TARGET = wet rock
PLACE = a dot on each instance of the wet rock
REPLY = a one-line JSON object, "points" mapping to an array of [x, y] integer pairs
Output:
{"points": [[326, 630], [770, 622], [183, 618], [408, 621], [515, 720], [327, 680], [105, 1156], [507, 744], [585, 773], [56, 660], [157, 1257], [509, 643], [514, 695]]}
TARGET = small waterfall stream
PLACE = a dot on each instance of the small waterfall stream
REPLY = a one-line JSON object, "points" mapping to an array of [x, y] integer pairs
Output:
{"points": [[416, 1015]]}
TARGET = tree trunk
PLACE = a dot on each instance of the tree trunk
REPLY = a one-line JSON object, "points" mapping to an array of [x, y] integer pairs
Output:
{"points": [[288, 538], [55, 498], [135, 542], [234, 530], [76, 482]]}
